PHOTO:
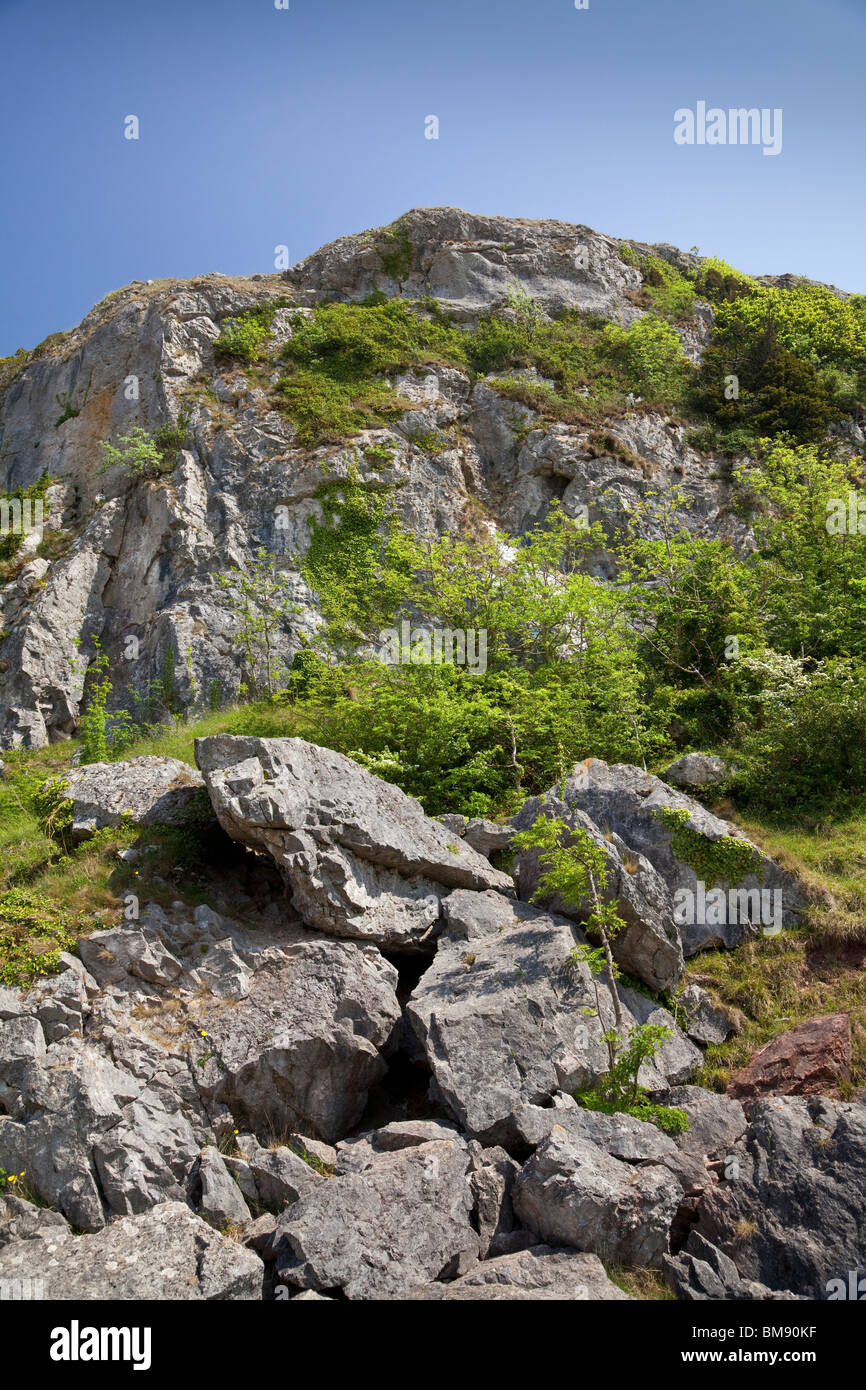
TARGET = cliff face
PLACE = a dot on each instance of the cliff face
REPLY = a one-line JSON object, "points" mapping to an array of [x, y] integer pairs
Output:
{"points": [[123, 558]]}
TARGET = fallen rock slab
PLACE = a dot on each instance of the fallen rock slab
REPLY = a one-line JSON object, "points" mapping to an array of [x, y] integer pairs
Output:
{"points": [[361, 858]]}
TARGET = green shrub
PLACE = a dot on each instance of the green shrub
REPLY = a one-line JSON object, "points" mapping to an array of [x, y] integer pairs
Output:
{"points": [[34, 931], [667, 288], [243, 338], [804, 752], [136, 452], [10, 540], [651, 353], [619, 1092]]}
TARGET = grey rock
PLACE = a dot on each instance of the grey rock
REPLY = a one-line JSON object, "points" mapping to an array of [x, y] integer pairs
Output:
{"points": [[625, 801], [788, 1208], [574, 1193], [61, 1003], [621, 1136], [20, 1037], [702, 1273], [221, 1202], [492, 1183], [20, 1220], [487, 837], [506, 1022], [303, 1144], [152, 791], [241, 1173], [696, 770], [541, 1272], [301, 1051], [259, 1236], [111, 956], [91, 1139], [11, 1005], [281, 1176], [716, 1122], [649, 944], [471, 915], [706, 1022], [166, 1254], [359, 1154], [362, 859], [378, 1233]]}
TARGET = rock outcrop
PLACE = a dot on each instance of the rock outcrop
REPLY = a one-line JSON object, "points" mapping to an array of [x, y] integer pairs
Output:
{"points": [[629, 806], [361, 858], [270, 1107], [137, 564]]}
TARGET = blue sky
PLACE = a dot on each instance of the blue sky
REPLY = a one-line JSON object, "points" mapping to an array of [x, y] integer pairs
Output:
{"points": [[262, 127]]}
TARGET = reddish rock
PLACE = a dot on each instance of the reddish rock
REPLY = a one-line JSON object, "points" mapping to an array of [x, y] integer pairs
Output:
{"points": [[806, 1061]]}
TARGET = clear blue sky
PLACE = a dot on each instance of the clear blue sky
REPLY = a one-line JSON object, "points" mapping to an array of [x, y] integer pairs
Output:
{"points": [[262, 126]]}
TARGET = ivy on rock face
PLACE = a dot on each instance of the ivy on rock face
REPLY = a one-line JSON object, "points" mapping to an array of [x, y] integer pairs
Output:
{"points": [[726, 860]]}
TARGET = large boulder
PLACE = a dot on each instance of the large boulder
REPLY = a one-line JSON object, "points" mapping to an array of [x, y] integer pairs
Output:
{"points": [[147, 791], [626, 802], [574, 1192], [398, 1224], [508, 1017], [805, 1061], [788, 1209], [166, 1254], [303, 1048], [648, 946], [361, 858]]}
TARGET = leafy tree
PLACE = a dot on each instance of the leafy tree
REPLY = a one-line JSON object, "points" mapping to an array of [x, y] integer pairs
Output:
{"points": [[262, 599], [813, 579], [574, 868], [651, 352]]}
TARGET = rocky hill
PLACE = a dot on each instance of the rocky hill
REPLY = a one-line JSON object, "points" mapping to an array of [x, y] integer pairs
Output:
{"points": [[123, 558], [336, 967]]}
